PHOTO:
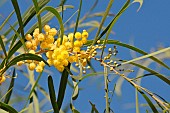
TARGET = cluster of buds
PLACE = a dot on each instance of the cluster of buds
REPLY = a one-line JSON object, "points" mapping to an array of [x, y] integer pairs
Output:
{"points": [[59, 53]]}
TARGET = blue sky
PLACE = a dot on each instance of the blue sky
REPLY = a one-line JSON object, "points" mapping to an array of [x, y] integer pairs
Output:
{"points": [[147, 29]]}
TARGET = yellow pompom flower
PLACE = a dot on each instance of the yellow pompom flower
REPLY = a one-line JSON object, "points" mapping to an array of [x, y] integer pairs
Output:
{"points": [[39, 69], [35, 42], [50, 62], [70, 37], [60, 58], [28, 44], [64, 62], [72, 59], [32, 66], [84, 40], [41, 37], [85, 34], [68, 45], [78, 43], [78, 35], [64, 54], [2, 79], [42, 64], [62, 47], [65, 39], [47, 28], [20, 63], [36, 33], [56, 63], [76, 49], [57, 51], [52, 32], [49, 39], [37, 30], [54, 56], [49, 54], [44, 45], [33, 47], [28, 37], [60, 68]]}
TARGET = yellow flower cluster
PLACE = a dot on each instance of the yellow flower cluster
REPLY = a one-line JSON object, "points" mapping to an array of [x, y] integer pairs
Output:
{"points": [[45, 40], [67, 51], [59, 54]]}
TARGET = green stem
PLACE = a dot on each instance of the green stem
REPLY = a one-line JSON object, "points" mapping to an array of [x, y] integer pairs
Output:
{"points": [[106, 89]]}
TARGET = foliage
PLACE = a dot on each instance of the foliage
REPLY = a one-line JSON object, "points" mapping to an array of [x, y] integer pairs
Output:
{"points": [[43, 45]]}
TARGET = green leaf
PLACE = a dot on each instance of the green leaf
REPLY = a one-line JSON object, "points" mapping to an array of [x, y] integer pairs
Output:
{"points": [[93, 110], [38, 16], [62, 87], [140, 2], [7, 108], [33, 88], [162, 77], [148, 55], [10, 89], [125, 6], [73, 109], [77, 20], [103, 20], [28, 14], [149, 102], [6, 20], [52, 94], [113, 20], [17, 35], [17, 10], [3, 46], [57, 15], [13, 50]]}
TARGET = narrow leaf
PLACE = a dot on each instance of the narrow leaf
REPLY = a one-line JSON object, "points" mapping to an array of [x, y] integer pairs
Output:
{"points": [[125, 6], [33, 88], [3, 46], [52, 94], [73, 109], [7, 108], [62, 87], [17, 10], [140, 2], [162, 77], [148, 55], [149, 102], [102, 21], [38, 16], [6, 20], [77, 20], [28, 14], [93, 108], [10, 89]]}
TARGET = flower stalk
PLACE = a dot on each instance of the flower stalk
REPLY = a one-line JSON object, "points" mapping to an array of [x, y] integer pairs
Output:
{"points": [[106, 89]]}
